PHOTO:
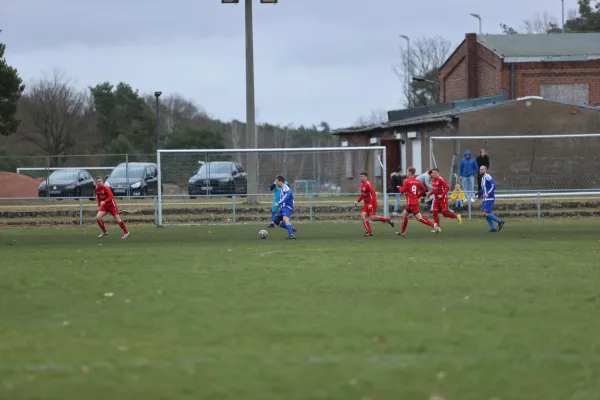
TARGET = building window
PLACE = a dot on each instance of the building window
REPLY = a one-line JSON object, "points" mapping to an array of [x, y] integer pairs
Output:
{"points": [[576, 94]]}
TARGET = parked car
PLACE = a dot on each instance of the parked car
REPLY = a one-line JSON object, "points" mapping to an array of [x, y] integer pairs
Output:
{"points": [[68, 183], [134, 179], [218, 177]]}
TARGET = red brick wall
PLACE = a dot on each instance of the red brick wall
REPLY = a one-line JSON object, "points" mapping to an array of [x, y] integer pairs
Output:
{"points": [[529, 77], [489, 75], [489, 72]]}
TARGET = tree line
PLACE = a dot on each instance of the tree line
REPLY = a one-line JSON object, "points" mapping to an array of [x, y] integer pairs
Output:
{"points": [[53, 117]]}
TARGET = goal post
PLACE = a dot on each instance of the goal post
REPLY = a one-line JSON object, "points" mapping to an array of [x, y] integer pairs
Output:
{"points": [[558, 163], [210, 186]]}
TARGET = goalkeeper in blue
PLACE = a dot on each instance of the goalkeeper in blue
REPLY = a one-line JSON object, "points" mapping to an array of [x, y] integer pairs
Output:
{"points": [[488, 193], [285, 206], [276, 197]]}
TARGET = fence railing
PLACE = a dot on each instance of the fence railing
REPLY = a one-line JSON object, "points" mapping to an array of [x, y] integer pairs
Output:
{"points": [[226, 210]]}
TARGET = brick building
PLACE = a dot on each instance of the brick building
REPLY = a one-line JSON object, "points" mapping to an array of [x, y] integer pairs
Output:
{"points": [[563, 66], [523, 164]]}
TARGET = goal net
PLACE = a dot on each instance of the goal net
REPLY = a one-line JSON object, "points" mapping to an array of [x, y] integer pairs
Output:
{"points": [[519, 164], [222, 186]]}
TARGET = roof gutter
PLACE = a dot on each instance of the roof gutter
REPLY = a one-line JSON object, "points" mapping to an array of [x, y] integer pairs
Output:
{"points": [[585, 57]]}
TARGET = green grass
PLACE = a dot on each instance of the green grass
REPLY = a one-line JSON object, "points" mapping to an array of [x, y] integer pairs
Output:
{"points": [[216, 313]]}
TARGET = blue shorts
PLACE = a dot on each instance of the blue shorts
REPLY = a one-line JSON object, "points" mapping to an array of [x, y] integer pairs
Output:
{"points": [[285, 212], [487, 206]]}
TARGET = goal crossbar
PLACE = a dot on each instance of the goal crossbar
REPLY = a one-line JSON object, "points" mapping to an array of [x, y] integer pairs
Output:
{"points": [[273, 150], [383, 164]]}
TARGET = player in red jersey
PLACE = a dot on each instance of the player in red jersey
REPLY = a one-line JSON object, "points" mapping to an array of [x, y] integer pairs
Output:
{"points": [[107, 205], [369, 199], [440, 189], [414, 190]]}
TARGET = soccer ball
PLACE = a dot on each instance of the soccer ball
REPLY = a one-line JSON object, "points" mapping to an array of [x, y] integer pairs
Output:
{"points": [[263, 234]]}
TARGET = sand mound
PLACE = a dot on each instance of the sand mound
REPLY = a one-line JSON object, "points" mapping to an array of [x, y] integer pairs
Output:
{"points": [[17, 185]]}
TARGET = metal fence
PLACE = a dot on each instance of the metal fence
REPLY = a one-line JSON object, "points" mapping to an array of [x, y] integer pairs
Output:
{"points": [[224, 210]]}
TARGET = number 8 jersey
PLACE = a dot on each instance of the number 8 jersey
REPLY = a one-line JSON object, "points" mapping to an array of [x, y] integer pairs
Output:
{"points": [[414, 190]]}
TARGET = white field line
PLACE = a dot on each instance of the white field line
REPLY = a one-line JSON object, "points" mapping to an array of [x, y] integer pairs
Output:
{"points": [[393, 359]]}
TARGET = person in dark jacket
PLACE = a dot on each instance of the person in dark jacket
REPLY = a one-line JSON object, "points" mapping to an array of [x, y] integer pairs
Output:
{"points": [[396, 181], [482, 159]]}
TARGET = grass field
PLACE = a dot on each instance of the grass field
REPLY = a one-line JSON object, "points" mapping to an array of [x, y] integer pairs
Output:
{"points": [[216, 313]]}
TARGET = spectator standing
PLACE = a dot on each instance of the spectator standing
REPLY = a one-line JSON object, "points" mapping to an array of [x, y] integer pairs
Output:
{"points": [[482, 159], [396, 184], [425, 179], [468, 170]]}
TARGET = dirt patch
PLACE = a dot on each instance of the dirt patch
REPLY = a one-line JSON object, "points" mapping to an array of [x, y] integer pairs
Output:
{"points": [[16, 185]]}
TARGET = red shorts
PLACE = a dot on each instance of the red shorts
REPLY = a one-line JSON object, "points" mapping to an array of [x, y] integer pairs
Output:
{"points": [[440, 204], [371, 211], [412, 209], [110, 208]]}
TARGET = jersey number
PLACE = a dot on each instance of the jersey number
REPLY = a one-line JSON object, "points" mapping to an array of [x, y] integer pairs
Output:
{"points": [[413, 189]]}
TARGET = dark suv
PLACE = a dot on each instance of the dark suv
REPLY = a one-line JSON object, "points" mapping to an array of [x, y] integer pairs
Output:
{"points": [[218, 177], [134, 179], [68, 183]]}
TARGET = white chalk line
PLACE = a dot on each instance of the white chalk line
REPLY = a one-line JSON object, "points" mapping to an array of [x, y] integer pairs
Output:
{"points": [[405, 360]]}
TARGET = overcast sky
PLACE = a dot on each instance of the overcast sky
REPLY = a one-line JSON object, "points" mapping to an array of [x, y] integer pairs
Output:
{"points": [[315, 60]]}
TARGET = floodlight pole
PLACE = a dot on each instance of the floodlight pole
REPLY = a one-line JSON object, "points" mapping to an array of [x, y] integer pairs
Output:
{"points": [[479, 18], [251, 139], [157, 95]]}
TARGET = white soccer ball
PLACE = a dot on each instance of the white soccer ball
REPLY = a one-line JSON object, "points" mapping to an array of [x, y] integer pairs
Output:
{"points": [[263, 234]]}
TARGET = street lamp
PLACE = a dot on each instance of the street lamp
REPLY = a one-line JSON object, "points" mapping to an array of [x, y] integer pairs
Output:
{"points": [[479, 18], [563, 16], [419, 79], [157, 95], [251, 138], [407, 68]]}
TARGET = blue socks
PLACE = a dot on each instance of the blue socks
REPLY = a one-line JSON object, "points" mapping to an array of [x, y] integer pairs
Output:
{"points": [[273, 214], [491, 222], [495, 219], [289, 227], [491, 218]]}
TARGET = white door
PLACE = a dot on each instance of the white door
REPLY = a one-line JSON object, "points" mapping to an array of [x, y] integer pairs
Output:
{"points": [[403, 156], [416, 155]]}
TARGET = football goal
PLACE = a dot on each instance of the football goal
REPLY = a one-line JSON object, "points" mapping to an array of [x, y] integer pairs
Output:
{"points": [[218, 186], [549, 164]]}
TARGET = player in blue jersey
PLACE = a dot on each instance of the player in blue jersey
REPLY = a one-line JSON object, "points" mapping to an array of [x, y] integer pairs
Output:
{"points": [[286, 207], [488, 193], [276, 197]]}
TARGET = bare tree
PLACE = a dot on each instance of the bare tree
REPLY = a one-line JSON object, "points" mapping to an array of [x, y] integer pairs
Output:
{"points": [[376, 117], [541, 24], [427, 54], [56, 115]]}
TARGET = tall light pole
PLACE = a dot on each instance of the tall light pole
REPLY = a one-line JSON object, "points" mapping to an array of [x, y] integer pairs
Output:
{"points": [[563, 16], [479, 18], [407, 69], [157, 95], [251, 134]]}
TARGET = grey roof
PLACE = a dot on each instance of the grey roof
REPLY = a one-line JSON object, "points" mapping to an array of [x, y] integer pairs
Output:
{"points": [[445, 116], [547, 47]]}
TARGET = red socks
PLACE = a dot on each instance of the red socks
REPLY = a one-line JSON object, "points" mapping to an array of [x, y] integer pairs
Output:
{"points": [[367, 226], [384, 219], [426, 221], [122, 225], [101, 225], [448, 214], [436, 217], [404, 224]]}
